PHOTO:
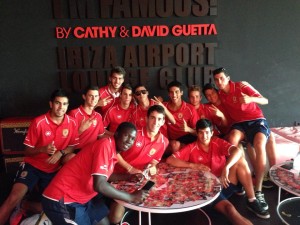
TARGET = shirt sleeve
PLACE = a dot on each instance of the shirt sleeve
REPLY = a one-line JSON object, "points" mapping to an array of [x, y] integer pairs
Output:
{"points": [[183, 154], [247, 89], [32, 135], [101, 163]]}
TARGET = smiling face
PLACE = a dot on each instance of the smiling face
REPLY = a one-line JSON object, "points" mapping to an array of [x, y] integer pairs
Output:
{"points": [[212, 96], [59, 107], [91, 98], [204, 136], [141, 94], [125, 138], [195, 98], [175, 94], [116, 80]]}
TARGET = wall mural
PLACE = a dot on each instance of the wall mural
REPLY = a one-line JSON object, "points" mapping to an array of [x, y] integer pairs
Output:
{"points": [[156, 41]]}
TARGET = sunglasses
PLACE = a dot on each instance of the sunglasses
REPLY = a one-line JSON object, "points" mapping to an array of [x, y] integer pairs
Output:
{"points": [[138, 93]]}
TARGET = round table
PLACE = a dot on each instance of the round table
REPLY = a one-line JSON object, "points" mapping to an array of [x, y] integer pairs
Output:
{"points": [[176, 190], [282, 175]]}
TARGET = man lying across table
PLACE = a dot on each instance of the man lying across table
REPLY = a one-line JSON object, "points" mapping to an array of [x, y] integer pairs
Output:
{"points": [[209, 153]]}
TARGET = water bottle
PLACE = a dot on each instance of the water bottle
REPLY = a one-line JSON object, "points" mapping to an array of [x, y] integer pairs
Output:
{"points": [[296, 163]]}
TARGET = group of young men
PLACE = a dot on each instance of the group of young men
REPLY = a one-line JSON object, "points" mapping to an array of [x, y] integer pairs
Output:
{"points": [[72, 158]]}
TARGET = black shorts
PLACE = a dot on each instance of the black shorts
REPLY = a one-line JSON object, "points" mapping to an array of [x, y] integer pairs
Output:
{"points": [[89, 213], [251, 128], [31, 176]]}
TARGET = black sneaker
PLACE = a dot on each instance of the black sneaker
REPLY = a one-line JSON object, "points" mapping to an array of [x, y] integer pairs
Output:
{"points": [[261, 199], [267, 183], [256, 208], [241, 191]]}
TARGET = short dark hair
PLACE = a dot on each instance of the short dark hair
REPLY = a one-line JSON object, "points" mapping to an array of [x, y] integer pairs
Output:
{"points": [[208, 86], [137, 86], [126, 86], [157, 108], [58, 93], [175, 83], [220, 70], [124, 125], [119, 70], [90, 88], [203, 123]]}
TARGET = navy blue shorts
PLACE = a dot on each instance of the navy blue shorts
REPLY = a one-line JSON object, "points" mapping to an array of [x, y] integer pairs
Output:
{"points": [[89, 213], [251, 128], [226, 193], [31, 176]]}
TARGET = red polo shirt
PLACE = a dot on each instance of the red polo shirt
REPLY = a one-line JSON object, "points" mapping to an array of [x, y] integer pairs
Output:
{"points": [[143, 151], [215, 158], [42, 132], [90, 134], [74, 181], [237, 111]]}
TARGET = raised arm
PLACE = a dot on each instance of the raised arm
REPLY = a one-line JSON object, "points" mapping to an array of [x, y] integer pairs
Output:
{"points": [[168, 113]]}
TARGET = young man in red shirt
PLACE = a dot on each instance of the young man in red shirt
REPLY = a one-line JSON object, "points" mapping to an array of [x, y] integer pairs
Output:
{"points": [[120, 112], [146, 152], [210, 153], [75, 195], [109, 94], [50, 137], [139, 115], [185, 115], [212, 95], [241, 101], [221, 115], [90, 122], [207, 110]]}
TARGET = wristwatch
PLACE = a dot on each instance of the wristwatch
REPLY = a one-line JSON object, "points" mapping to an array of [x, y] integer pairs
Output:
{"points": [[62, 152]]}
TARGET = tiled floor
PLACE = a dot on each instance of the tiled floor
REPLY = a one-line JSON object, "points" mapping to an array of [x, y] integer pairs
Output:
{"points": [[193, 217]]}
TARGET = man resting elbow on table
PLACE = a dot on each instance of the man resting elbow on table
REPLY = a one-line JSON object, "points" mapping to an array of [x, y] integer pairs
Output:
{"points": [[210, 153]]}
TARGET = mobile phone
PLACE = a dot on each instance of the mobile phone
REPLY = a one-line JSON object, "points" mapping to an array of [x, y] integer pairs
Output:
{"points": [[148, 185], [287, 166]]}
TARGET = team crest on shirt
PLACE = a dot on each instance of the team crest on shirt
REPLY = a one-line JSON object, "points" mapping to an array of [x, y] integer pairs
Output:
{"points": [[180, 115], [152, 151], [94, 123], [119, 116], [138, 144], [65, 132], [23, 174], [48, 133], [200, 158]]}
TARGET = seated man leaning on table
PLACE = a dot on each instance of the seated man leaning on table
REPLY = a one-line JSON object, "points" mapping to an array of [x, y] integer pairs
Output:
{"points": [[146, 152], [75, 195], [209, 153]]}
